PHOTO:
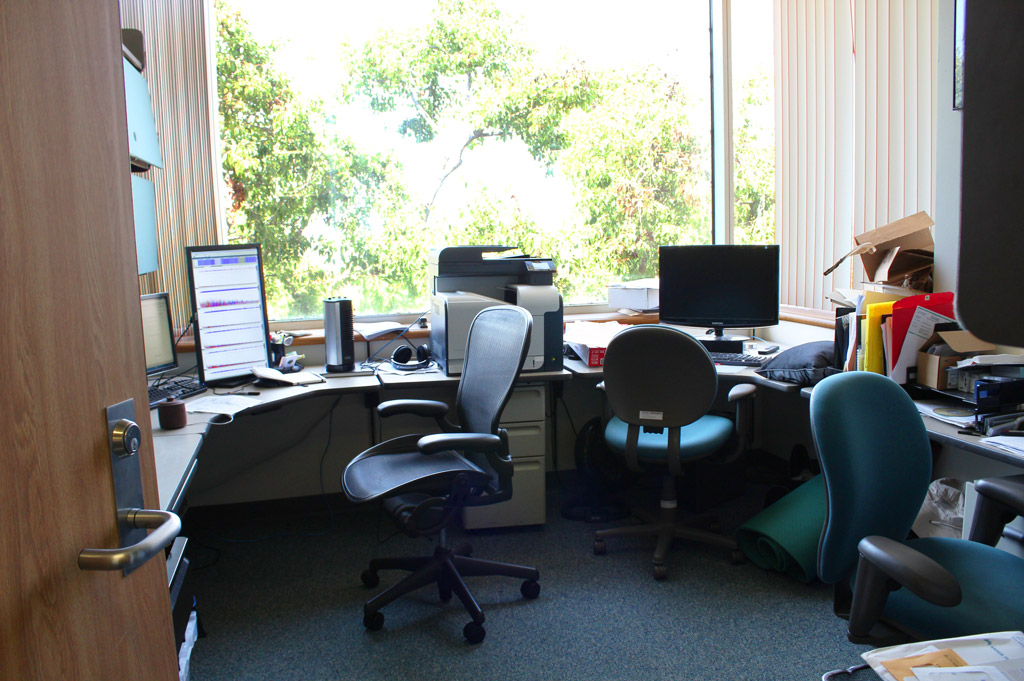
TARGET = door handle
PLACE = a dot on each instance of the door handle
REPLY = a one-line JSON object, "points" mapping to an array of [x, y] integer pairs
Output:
{"points": [[166, 526]]}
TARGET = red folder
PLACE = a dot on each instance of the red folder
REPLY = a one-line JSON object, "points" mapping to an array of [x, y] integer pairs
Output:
{"points": [[903, 313]]}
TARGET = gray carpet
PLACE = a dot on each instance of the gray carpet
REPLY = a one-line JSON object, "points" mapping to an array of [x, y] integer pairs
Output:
{"points": [[289, 606]]}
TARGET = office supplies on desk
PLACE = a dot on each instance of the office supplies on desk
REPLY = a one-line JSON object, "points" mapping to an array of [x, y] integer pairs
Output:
{"points": [[273, 376], [172, 414], [221, 404], [904, 312]]}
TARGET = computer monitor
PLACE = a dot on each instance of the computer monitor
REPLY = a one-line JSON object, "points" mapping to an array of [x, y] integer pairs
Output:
{"points": [[721, 286], [158, 334], [230, 312]]}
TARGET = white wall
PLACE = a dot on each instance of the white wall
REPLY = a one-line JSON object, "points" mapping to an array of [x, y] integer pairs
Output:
{"points": [[948, 128]]}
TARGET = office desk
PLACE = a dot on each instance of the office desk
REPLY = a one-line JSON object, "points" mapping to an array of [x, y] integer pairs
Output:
{"points": [[947, 435], [176, 451]]}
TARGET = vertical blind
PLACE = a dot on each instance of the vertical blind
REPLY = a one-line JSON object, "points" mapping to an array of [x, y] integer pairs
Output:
{"points": [[855, 140], [180, 71]]}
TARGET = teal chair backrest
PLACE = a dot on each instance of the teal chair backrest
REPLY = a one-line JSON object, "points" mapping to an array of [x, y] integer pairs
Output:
{"points": [[876, 460]]}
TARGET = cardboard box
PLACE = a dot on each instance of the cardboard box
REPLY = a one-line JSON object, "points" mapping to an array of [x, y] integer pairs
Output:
{"points": [[894, 252], [933, 370], [641, 294]]}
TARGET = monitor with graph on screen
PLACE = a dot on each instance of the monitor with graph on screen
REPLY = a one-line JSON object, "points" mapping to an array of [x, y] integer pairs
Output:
{"points": [[230, 312]]}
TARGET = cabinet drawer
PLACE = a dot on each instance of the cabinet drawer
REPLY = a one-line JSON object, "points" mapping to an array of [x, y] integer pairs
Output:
{"points": [[526, 439], [526, 507], [526, 404]]}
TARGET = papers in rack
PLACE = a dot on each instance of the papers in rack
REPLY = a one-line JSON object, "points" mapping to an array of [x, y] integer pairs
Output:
{"points": [[1010, 443], [921, 328], [942, 411], [988, 360], [293, 378], [985, 657]]}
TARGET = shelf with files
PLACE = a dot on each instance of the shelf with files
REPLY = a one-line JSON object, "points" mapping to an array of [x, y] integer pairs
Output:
{"points": [[992, 402]]}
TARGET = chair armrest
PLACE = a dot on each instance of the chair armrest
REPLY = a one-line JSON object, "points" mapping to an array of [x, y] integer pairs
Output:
{"points": [[432, 408], [885, 565], [1000, 500], [478, 442], [742, 391], [912, 569]]}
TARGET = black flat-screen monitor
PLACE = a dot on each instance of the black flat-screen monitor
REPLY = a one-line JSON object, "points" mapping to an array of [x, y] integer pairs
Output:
{"points": [[230, 312], [158, 334], [721, 286]]}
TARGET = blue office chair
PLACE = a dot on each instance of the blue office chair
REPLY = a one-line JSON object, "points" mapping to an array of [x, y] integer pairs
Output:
{"points": [[424, 481], [877, 464], [661, 383]]}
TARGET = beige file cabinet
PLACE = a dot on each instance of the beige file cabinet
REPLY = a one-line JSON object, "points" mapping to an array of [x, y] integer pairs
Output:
{"points": [[526, 425]]}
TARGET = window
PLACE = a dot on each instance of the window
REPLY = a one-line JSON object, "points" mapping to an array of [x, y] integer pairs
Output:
{"points": [[354, 140]]}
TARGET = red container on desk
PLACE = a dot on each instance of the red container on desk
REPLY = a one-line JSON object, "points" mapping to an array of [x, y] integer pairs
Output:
{"points": [[594, 357]]}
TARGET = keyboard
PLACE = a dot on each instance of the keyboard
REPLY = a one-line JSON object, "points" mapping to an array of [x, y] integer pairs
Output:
{"points": [[738, 359], [179, 388]]}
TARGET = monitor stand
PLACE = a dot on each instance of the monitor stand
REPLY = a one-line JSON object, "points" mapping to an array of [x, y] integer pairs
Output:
{"points": [[233, 382], [723, 342]]}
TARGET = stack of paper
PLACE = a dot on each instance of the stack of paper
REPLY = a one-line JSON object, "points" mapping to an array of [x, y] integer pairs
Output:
{"points": [[985, 657]]}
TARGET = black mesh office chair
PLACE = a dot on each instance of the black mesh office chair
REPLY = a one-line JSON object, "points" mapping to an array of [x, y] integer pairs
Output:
{"points": [[425, 481], [661, 383]]}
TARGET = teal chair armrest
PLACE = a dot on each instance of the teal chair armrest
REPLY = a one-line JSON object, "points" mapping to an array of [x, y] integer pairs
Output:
{"points": [[886, 565], [1000, 500]]}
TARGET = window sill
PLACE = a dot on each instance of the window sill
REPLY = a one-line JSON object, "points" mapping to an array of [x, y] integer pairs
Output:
{"points": [[800, 315]]}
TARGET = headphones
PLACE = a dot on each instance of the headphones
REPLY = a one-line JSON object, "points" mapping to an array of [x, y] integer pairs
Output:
{"points": [[401, 358]]}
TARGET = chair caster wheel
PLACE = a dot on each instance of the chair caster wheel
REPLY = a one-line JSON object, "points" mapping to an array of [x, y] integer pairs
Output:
{"points": [[660, 572], [474, 632], [370, 578], [530, 589], [374, 621], [737, 557], [600, 548]]}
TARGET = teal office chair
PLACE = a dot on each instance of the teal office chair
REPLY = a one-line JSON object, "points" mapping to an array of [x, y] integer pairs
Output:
{"points": [[425, 481], [661, 383], [877, 464]]}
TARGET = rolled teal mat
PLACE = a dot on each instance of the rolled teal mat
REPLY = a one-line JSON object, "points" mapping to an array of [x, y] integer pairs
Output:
{"points": [[785, 535]]}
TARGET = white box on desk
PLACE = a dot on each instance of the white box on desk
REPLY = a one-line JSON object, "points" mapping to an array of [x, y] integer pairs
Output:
{"points": [[641, 294]]}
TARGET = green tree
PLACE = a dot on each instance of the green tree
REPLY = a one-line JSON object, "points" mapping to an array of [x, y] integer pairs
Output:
{"points": [[335, 218], [754, 145], [637, 169]]}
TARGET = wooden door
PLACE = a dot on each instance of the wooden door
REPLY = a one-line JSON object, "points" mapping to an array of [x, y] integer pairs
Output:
{"points": [[71, 346]]}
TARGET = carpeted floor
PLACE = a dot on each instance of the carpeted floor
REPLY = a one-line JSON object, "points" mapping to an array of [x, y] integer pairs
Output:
{"points": [[279, 599]]}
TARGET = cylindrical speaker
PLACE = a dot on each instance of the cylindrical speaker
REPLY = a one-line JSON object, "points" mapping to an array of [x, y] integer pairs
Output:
{"points": [[338, 335]]}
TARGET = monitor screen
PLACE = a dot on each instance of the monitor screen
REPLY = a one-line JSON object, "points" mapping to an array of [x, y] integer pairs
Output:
{"points": [[719, 286], [158, 334], [230, 312]]}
